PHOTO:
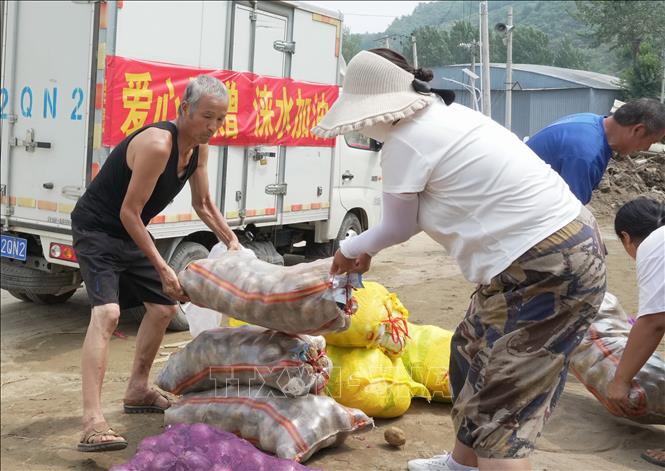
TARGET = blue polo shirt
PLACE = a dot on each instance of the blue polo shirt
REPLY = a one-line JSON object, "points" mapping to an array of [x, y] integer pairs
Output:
{"points": [[577, 149]]}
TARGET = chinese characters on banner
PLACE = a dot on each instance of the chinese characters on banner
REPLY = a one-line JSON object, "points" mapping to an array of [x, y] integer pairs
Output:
{"points": [[262, 110]]}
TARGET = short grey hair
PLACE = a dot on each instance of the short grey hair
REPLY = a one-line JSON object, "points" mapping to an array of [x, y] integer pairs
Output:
{"points": [[645, 111], [200, 86]]}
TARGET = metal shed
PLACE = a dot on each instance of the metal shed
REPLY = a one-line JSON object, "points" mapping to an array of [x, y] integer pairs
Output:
{"points": [[541, 93]]}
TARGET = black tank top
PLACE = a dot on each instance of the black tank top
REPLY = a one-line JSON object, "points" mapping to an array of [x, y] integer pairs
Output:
{"points": [[99, 207]]}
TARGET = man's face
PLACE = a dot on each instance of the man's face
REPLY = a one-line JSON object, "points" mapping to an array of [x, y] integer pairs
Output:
{"points": [[206, 118], [637, 139]]}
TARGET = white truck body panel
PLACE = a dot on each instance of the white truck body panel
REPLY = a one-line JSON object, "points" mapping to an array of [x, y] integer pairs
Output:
{"points": [[177, 32], [47, 97], [214, 35]]}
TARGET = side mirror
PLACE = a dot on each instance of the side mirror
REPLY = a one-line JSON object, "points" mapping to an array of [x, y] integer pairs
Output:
{"points": [[375, 146]]}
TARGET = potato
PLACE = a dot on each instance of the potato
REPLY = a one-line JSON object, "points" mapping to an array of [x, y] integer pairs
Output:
{"points": [[395, 436]]}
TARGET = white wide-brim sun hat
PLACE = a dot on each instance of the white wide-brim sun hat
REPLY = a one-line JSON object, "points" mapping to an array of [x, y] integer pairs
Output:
{"points": [[375, 91]]}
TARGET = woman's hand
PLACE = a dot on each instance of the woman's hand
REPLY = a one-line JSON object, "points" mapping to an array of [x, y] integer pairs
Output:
{"points": [[617, 396], [342, 265]]}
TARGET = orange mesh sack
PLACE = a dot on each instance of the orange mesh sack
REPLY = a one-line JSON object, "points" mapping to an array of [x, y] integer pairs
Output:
{"points": [[594, 362], [300, 299], [295, 365], [292, 428]]}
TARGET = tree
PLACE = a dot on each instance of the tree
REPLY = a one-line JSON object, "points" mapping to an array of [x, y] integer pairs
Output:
{"points": [[622, 23], [463, 32], [643, 79], [566, 55], [635, 27], [530, 46], [350, 44], [498, 51], [432, 45]]}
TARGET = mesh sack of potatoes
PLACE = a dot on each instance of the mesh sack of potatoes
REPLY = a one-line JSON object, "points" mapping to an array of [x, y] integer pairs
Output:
{"points": [[292, 428], [299, 299], [594, 363], [295, 365]]}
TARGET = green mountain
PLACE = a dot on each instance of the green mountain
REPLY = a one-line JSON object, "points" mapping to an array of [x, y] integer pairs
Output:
{"points": [[554, 18]]}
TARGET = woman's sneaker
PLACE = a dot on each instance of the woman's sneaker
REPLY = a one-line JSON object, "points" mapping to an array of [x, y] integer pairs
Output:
{"points": [[435, 463]]}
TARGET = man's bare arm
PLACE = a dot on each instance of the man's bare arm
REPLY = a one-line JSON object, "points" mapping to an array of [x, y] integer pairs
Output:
{"points": [[205, 207]]}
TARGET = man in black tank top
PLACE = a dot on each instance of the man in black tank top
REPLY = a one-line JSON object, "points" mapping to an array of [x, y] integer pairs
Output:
{"points": [[119, 262]]}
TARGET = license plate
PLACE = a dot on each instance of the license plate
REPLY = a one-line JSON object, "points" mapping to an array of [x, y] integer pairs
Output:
{"points": [[14, 247]]}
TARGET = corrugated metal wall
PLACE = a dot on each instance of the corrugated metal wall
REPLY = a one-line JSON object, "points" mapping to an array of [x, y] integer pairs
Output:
{"points": [[537, 100], [524, 79], [547, 106]]}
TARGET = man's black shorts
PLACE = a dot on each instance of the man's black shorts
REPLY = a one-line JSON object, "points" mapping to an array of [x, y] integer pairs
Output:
{"points": [[116, 271]]}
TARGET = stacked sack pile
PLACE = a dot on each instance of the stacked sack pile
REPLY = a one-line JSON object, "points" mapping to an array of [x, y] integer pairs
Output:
{"points": [[382, 360], [263, 381]]}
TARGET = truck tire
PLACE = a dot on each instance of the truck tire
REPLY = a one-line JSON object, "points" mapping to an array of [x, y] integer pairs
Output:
{"points": [[40, 298], [20, 295], [265, 250], [22, 279], [184, 253], [350, 226]]}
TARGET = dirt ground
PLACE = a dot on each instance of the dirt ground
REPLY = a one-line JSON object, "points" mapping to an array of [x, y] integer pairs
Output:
{"points": [[41, 383]]}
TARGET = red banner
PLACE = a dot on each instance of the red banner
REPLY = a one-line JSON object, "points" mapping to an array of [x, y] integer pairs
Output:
{"points": [[262, 110]]}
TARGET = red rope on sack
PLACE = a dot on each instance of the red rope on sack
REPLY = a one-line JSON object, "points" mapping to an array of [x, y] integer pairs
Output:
{"points": [[314, 361], [398, 327], [351, 304]]}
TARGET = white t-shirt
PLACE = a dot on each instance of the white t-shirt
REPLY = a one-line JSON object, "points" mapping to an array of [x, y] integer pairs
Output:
{"points": [[650, 260], [483, 194]]}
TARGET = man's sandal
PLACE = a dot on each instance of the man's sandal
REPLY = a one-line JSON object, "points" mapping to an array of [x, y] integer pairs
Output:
{"points": [[649, 455], [148, 404], [100, 429]]}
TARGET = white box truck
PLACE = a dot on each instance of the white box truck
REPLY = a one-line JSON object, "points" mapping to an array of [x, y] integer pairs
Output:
{"points": [[51, 109]]}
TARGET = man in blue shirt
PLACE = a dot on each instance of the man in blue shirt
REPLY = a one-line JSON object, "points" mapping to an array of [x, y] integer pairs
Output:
{"points": [[578, 147]]}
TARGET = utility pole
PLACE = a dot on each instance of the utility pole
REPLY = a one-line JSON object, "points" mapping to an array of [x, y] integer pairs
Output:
{"points": [[415, 51], [387, 44], [509, 69], [662, 82], [485, 56]]}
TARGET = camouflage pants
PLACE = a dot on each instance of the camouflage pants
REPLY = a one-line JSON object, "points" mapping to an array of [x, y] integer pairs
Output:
{"points": [[510, 354]]}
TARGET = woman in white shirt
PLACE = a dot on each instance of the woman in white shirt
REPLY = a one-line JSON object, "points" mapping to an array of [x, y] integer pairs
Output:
{"points": [[513, 227], [640, 225]]}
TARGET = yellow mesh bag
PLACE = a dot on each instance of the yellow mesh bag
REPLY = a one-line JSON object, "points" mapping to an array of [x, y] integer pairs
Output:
{"points": [[427, 358], [369, 380], [236, 323], [380, 321]]}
